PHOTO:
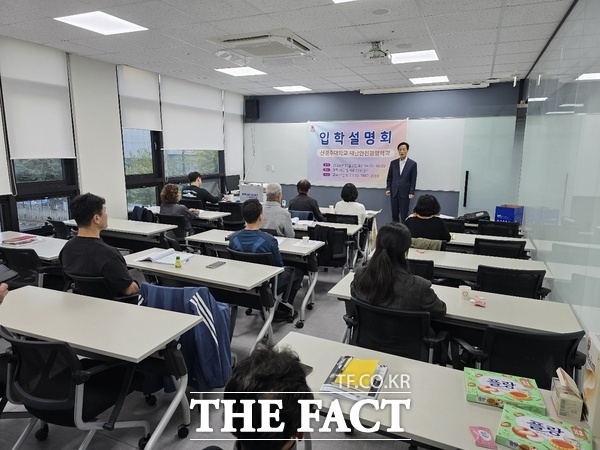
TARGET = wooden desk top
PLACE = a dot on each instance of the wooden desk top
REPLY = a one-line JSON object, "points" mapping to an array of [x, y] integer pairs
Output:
{"points": [[469, 263], [503, 310], [287, 246], [468, 240], [232, 274], [47, 248], [104, 327], [439, 414], [132, 227]]}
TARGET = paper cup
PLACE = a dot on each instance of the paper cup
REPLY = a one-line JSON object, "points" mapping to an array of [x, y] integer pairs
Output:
{"points": [[465, 292], [305, 239]]}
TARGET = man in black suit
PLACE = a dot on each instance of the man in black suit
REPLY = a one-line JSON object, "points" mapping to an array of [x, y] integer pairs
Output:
{"points": [[401, 182]]}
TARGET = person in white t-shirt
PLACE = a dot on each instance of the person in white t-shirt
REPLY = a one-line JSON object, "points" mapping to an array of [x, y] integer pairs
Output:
{"points": [[349, 205]]}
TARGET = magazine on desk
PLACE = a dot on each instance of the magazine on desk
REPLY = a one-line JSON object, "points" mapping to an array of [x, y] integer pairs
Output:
{"points": [[355, 379], [166, 257], [21, 240]]}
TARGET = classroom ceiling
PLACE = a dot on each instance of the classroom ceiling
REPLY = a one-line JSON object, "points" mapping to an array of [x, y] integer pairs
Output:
{"points": [[475, 39]]}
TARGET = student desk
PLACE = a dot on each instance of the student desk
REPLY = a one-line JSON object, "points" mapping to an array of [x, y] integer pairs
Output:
{"points": [[503, 310], [208, 216], [439, 414], [47, 248], [289, 249], [131, 234], [466, 241], [99, 327], [234, 276], [464, 266], [326, 210], [351, 229]]}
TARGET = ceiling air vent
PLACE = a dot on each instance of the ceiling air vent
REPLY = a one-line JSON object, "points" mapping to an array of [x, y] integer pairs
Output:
{"points": [[274, 44]]}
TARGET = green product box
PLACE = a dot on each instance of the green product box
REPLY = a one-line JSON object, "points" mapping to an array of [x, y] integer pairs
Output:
{"points": [[525, 430], [498, 389]]}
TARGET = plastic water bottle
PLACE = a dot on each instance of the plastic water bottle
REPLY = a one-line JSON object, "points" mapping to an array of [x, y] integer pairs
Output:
{"points": [[177, 262]]}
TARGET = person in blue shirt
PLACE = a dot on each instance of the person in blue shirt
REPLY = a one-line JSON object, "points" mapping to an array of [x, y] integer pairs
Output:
{"points": [[252, 240]]}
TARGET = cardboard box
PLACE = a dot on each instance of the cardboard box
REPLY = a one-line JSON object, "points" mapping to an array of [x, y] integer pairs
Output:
{"points": [[521, 429], [509, 213], [495, 389], [568, 404], [591, 384]]}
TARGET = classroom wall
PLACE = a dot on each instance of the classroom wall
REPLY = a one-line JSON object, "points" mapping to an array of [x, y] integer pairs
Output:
{"points": [[289, 113]]}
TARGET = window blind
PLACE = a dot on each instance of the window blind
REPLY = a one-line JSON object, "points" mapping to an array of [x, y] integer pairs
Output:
{"points": [[139, 98]]}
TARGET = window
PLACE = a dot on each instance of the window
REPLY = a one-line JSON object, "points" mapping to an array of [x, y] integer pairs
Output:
{"points": [[32, 214], [144, 174], [32, 170], [181, 162]]}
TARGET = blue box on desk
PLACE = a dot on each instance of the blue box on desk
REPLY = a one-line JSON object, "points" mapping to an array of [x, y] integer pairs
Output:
{"points": [[509, 213]]}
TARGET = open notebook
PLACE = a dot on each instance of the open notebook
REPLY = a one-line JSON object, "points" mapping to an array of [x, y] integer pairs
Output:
{"points": [[166, 257]]}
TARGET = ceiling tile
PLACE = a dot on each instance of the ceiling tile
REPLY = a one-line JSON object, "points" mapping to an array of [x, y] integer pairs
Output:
{"points": [[152, 14], [526, 33], [470, 21], [312, 19], [462, 38], [437, 8], [210, 10], [551, 12]]}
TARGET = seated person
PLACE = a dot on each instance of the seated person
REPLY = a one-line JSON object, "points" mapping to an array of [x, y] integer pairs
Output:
{"points": [[275, 217], [386, 280], [268, 374], [193, 191], [87, 255], [3, 291], [169, 197], [302, 202], [349, 206], [424, 223], [252, 240]]}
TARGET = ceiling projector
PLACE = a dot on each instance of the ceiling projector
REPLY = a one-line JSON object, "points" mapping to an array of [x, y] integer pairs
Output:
{"points": [[376, 55]]}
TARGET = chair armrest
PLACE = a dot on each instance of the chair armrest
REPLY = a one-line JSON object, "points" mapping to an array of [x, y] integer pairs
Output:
{"points": [[350, 320], [469, 353], [440, 338], [578, 360], [82, 376], [543, 292]]}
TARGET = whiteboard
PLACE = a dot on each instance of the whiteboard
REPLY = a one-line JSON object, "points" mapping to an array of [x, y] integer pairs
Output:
{"points": [[277, 152]]}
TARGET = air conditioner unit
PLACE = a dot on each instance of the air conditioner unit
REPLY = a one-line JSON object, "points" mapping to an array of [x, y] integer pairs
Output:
{"points": [[272, 44]]}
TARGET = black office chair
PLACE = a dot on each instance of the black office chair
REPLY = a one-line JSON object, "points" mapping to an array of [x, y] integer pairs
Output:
{"points": [[192, 203], [521, 283], [180, 221], [505, 249], [61, 230], [98, 287], [302, 215], [402, 333], [421, 268], [234, 221], [270, 231], [31, 270], [169, 240], [342, 218], [337, 249], [57, 387], [528, 354], [504, 229], [455, 225]]}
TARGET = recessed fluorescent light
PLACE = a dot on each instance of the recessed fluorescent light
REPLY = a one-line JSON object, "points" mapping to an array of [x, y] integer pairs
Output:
{"points": [[429, 80], [343, 1], [292, 88], [100, 22], [241, 71], [537, 99], [588, 76], [571, 105], [412, 57], [560, 112]]}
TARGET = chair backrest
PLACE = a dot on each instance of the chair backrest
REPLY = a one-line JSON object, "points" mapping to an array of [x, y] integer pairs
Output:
{"points": [[529, 354], [271, 231], [302, 215], [169, 240], [342, 218], [25, 262], [256, 258], [234, 221], [61, 230], [454, 225], [43, 378], [521, 283], [421, 268], [494, 247], [180, 221], [506, 229], [401, 333], [335, 251], [192, 203], [93, 286]]}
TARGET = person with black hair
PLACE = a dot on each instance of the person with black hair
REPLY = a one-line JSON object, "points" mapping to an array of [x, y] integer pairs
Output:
{"points": [[302, 202], [193, 191], [386, 280], [270, 374], [87, 255], [252, 240], [349, 206], [401, 183], [424, 223]]}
